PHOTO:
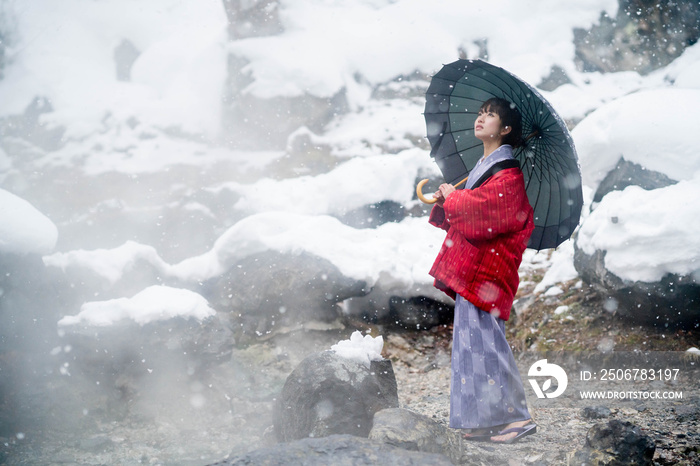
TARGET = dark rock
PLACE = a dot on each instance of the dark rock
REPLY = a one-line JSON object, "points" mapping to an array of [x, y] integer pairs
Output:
{"points": [[338, 450], [430, 187], [416, 432], [33, 128], [557, 77], [595, 412], [383, 307], [127, 349], [271, 290], [672, 301], [418, 313], [252, 19], [373, 215], [616, 443], [327, 394], [640, 38], [631, 174], [26, 137], [125, 54]]}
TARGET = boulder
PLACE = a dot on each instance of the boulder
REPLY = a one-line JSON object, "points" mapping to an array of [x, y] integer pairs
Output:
{"points": [[123, 272], [338, 450], [271, 290], [557, 77], [630, 174], [327, 394], [388, 306], [373, 215], [617, 443], [252, 122], [145, 372], [126, 347], [674, 300], [416, 432]]}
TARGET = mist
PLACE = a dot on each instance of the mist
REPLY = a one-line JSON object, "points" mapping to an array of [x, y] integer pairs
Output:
{"points": [[262, 156]]}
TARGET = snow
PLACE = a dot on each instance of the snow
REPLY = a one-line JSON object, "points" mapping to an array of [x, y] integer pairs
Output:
{"points": [[392, 255], [154, 303], [554, 291], [110, 264], [647, 234], [614, 130], [342, 189], [64, 51], [561, 269], [376, 127], [378, 49], [23, 229], [361, 349]]}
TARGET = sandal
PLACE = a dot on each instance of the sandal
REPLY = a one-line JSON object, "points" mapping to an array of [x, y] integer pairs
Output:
{"points": [[480, 435], [521, 432]]}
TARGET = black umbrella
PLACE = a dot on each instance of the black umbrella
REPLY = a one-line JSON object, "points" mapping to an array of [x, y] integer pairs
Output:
{"points": [[548, 158]]}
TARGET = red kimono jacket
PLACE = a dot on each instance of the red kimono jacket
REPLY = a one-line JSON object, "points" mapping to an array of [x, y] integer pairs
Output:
{"points": [[487, 231]]}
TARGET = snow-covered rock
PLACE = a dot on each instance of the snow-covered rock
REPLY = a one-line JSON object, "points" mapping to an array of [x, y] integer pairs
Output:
{"points": [[23, 229], [155, 303], [640, 244], [138, 334], [329, 394], [270, 291]]}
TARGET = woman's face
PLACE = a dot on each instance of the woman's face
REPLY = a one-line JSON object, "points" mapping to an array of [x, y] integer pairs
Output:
{"points": [[487, 126]]}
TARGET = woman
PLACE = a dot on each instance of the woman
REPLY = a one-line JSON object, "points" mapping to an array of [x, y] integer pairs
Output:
{"points": [[488, 226]]}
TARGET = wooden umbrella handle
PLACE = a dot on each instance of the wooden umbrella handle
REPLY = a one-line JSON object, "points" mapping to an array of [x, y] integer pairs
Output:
{"points": [[419, 190]]}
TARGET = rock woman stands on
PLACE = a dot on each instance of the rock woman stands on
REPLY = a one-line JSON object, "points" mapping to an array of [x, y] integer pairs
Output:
{"points": [[488, 226]]}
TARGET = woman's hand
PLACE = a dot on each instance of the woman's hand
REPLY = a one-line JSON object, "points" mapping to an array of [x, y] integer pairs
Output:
{"points": [[443, 191]]}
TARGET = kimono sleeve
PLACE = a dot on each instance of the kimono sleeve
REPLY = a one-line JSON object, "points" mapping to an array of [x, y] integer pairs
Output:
{"points": [[494, 208], [437, 218]]}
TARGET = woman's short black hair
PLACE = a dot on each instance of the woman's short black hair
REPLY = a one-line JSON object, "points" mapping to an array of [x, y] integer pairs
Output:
{"points": [[510, 116]]}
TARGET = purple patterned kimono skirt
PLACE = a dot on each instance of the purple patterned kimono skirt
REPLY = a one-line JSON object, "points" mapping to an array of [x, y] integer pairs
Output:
{"points": [[486, 388]]}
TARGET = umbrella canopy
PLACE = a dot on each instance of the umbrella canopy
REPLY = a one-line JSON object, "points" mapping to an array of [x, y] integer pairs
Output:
{"points": [[548, 157]]}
